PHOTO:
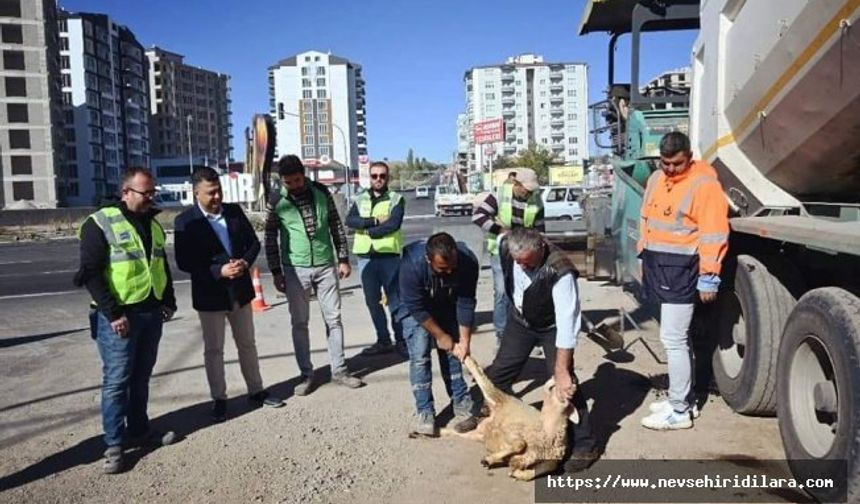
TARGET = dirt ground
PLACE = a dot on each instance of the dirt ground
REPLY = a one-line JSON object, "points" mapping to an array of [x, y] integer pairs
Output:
{"points": [[335, 445]]}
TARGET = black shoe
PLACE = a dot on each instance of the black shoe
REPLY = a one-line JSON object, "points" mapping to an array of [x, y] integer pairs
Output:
{"points": [[580, 461], [401, 349], [219, 410], [153, 439], [378, 348], [263, 398], [466, 424]]}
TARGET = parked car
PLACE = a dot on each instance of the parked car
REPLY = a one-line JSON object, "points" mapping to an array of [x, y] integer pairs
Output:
{"points": [[422, 192], [562, 202]]}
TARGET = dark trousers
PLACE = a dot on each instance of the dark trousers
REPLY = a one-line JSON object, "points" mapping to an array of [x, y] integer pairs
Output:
{"points": [[516, 346]]}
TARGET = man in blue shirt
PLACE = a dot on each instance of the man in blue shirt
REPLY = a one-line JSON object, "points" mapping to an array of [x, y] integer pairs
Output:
{"points": [[438, 279], [532, 269]]}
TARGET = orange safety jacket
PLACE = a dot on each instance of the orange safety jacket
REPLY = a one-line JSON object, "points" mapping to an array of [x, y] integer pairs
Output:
{"points": [[686, 215]]}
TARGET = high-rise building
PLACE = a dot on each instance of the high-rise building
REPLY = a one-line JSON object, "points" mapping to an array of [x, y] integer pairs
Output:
{"points": [[317, 102], [30, 115], [672, 83], [106, 105], [541, 103], [182, 95], [464, 137]]}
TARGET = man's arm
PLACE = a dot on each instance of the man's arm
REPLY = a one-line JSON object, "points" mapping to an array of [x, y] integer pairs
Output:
{"points": [[540, 223], [485, 214], [568, 323], [169, 298], [94, 260], [354, 220], [273, 226], [338, 234], [395, 220], [248, 235]]}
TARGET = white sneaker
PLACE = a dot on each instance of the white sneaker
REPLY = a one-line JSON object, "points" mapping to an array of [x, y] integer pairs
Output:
{"points": [[663, 405], [662, 420]]}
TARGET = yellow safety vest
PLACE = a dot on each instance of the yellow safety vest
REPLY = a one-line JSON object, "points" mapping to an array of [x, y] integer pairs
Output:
{"points": [[130, 275], [392, 243], [506, 210]]}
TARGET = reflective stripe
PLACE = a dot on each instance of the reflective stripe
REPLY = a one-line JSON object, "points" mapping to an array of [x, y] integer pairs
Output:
{"points": [[127, 256], [672, 227], [713, 238], [684, 207], [672, 249]]}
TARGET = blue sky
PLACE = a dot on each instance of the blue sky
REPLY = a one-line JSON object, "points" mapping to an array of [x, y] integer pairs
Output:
{"points": [[413, 53]]}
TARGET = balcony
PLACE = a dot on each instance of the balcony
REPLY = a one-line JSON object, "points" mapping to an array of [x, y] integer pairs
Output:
{"points": [[510, 136], [556, 87], [556, 75], [556, 121], [507, 89], [557, 133], [508, 113], [507, 77], [508, 100], [557, 98], [557, 147]]}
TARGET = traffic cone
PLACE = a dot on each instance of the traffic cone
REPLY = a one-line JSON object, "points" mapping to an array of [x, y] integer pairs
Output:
{"points": [[259, 302]]}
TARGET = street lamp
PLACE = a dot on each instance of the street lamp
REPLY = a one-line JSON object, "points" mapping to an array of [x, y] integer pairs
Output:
{"points": [[347, 168]]}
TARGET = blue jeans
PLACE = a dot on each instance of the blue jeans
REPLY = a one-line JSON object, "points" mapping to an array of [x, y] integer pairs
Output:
{"points": [[126, 367], [377, 274], [500, 298], [420, 344]]}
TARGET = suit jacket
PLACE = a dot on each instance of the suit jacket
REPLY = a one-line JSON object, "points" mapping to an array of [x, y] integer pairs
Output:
{"points": [[200, 253]]}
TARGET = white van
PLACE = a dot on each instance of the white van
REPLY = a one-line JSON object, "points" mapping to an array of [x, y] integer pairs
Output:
{"points": [[422, 192], [562, 202]]}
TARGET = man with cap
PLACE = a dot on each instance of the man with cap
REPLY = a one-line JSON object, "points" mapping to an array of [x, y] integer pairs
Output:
{"points": [[518, 205]]}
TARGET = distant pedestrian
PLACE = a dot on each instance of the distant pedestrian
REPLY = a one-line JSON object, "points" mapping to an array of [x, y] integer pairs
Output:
{"points": [[377, 216], [313, 255], [438, 280], [124, 267], [517, 204], [217, 245]]}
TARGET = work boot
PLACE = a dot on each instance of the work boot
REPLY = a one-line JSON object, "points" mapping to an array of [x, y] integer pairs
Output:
{"points": [[219, 410], [378, 348], [305, 387], [347, 380], [264, 398], [580, 461], [113, 460], [425, 425], [465, 423]]}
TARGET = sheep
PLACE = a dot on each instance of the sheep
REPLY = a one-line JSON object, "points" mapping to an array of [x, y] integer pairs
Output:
{"points": [[531, 442]]}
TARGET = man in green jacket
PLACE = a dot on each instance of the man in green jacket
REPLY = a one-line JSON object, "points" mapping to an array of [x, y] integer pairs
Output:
{"points": [[313, 255]]}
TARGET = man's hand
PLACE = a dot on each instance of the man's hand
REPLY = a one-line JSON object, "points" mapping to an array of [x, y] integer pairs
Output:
{"points": [[166, 313], [241, 264], [382, 219], [461, 350], [120, 326], [564, 386], [280, 282], [231, 270], [445, 342], [343, 270], [707, 297]]}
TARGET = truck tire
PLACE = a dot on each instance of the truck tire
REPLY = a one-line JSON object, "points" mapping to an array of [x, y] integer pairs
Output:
{"points": [[819, 388], [752, 314]]}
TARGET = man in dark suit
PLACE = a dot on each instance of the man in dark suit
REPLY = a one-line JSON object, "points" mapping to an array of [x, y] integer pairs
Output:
{"points": [[216, 244]]}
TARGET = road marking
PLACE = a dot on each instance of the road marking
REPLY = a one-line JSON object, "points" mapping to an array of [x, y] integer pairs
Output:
{"points": [[63, 293], [423, 216], [55, 272], [4, 263]]}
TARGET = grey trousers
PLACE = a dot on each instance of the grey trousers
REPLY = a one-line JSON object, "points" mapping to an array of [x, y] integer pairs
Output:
{"points": [[242, 326], [674, 334], [299, 282]]}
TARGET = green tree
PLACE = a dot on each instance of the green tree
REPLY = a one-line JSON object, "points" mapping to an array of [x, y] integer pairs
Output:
{"points": [[503, 162], [538, 158], [410, 159]]}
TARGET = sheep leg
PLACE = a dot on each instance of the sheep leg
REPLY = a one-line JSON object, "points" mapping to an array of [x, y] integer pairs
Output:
{"points": [[492, 395], [474, 435], [500, 456], [538, 470]]}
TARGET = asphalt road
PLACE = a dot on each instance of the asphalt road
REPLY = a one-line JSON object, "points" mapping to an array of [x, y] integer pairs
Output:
{"points": [[39, 267]]}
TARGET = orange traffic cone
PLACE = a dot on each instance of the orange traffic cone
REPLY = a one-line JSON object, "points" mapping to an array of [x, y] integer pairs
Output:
{"points": [[259, 302]]}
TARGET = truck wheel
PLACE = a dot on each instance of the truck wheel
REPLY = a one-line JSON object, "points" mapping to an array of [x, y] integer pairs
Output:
{"points": [[819, 387], [752, 316]]}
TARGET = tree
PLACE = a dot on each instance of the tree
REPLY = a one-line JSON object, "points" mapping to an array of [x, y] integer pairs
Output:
{"points": [[410, 159], [538, 158], [503, 162]]}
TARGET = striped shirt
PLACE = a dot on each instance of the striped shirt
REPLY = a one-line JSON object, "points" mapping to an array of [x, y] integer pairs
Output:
{"points": [[486, 215]]}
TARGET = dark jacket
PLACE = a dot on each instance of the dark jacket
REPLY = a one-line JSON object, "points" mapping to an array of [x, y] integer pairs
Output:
{"points": [[424, 294], [200, 253], [94, 261], [538, 305]]}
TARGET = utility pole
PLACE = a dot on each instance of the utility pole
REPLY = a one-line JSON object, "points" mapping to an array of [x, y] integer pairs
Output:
{"points": [[190, 155]]}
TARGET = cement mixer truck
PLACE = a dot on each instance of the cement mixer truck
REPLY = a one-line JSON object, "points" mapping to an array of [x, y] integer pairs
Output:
{"points": [[774, 106]]}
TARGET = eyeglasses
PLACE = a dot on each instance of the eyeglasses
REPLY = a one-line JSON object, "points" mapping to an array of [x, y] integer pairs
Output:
{"points": [[146, 194], [381, 176]]}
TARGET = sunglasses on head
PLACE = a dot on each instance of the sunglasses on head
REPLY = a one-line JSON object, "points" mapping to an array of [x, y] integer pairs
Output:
{"points": [[375, 176]]}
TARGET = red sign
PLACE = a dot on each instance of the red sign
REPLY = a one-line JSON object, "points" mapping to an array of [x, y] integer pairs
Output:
{"points": [[489, 131]]}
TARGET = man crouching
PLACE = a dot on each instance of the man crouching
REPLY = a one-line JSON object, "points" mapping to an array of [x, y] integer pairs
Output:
{"points": [[438, 278]]}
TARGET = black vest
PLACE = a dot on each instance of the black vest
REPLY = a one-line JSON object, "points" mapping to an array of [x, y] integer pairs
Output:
{"points": [[538, 305]]}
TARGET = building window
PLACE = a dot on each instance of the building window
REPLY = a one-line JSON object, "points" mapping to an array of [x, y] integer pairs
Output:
{"points": [[22, 191], [324, 129], [10, 8], [321, 93], [323, 117], [321, 82], [316, 58], [490, 96], [17, 112], [571, 117], [307, 58], [13, 60], [19, 139], [324, 139], [571, 92], [71, 152], [22, 165], [12, 34], [309, 129], [325, 151], [573, 140], [308, 152], [67, 80], [309, 139], [16, 86], [320, 70], [307, 93], [306, 83], [304, 70]]}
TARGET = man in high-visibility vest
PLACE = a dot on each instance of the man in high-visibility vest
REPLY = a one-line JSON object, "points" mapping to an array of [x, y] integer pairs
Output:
{"points": [[518, 205], [684, 231], [376, 218], [124, 267], [313, 255]]}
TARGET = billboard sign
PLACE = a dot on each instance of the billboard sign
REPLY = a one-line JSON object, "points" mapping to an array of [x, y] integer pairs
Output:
{"points": [[489, 131], [565, 175], [364, 171]]}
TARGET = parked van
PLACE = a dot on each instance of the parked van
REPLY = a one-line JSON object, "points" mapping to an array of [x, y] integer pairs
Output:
{"points": [[562, 202], [422, 192]]}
